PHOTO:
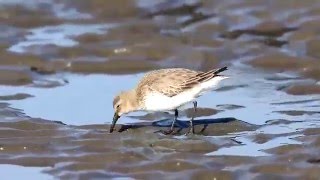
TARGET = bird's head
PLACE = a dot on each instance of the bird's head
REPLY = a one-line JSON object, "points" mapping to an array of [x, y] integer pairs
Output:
{"points": [[123, 103]]}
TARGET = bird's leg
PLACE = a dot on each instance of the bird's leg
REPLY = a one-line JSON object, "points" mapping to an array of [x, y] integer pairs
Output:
{"points": [[191, 126], [173, 122]]}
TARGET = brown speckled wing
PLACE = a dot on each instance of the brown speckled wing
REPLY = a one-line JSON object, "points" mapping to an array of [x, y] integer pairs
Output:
{"points": [[202, 77], [171, 82]]}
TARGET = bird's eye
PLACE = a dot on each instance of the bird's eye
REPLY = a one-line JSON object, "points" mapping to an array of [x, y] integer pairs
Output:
{"points": [[118, 106]]}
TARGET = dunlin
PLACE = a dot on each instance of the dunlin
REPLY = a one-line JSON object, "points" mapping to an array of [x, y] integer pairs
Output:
{"points": [[166, 90]]}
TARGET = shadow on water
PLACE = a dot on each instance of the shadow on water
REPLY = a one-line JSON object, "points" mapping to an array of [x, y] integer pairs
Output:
{"points": [[185, 124], [182, 124]]}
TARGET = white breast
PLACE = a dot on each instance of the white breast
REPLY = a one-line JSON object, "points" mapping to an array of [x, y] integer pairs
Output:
{"points": [[156, 101]]}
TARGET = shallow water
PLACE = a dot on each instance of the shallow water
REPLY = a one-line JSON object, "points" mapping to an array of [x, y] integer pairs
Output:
{"points": [[62, 62], [57, 35], [10, 172]]}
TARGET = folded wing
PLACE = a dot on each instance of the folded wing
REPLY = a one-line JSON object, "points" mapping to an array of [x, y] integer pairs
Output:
{"points": [[171, 82]]}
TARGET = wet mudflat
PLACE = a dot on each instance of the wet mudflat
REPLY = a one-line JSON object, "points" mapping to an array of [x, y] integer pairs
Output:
{"points": [[61, 63]]}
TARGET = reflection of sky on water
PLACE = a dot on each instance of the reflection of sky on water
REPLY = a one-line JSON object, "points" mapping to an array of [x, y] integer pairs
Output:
{"points": [[87, 99], [58, 9], [250, 148], [10, 172], [60, 35]]}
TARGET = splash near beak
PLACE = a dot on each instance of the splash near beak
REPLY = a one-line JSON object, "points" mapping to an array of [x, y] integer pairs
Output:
{"points": [[114, 121]]}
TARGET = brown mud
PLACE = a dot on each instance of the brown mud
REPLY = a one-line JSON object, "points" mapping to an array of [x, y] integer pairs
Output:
{"points": [[61, 63]]}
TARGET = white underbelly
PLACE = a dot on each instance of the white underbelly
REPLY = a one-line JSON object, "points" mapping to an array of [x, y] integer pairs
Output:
{"points": [[158, 102]]}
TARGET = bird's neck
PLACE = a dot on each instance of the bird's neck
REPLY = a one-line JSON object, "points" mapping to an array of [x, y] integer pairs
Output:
{"points": [[133, 99]]}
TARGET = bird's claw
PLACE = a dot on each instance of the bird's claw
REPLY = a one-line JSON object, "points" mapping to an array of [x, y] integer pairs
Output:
{"points": [[190, 131], [167, 132]]}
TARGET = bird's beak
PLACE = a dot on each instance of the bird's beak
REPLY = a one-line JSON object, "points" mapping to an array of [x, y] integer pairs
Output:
{"points": [[114, 121]]}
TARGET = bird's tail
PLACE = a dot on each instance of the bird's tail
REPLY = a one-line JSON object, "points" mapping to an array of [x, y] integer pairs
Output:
{"points": [[214, 72], [217, 71], [205, 76]]}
